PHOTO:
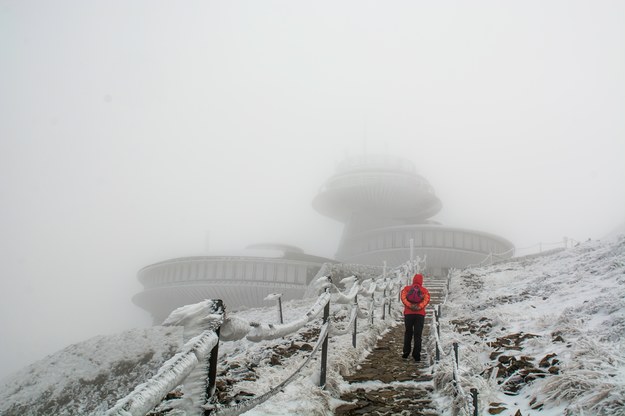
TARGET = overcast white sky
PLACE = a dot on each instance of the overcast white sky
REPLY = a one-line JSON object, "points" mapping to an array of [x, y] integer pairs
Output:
{"points": [[128, 130]]}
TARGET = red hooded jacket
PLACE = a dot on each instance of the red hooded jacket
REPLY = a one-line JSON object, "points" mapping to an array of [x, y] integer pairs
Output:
{"points": [[412, 308]]}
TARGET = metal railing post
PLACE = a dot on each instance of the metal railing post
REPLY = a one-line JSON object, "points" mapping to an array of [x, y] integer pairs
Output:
{"points": [[384, 300], [438, 333], [324, 347], [212, 360], [278, 297], [355, 330], [384, 308], [475, 404], [438, 329], [372, 307], [212, 369]]}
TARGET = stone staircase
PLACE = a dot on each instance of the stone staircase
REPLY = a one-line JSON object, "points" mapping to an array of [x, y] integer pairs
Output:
{"points": [[385, 383], [437, 288]]}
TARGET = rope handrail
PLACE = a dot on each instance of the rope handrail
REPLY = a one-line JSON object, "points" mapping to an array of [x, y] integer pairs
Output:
{"points": [[563, 242], [488, 257], [557, 243], [467, 401], [235, 328], [348, 298], [326, 329], [503, 253], [438, 344], [528, 247], [147, 395], [352, 319], [260, 332], [491, 257], [250, 404], [458, 386], [175, 371]]}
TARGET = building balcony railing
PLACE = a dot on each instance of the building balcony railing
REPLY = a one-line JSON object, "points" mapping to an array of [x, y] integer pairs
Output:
{"points": [[391, 180], [424, 236]]}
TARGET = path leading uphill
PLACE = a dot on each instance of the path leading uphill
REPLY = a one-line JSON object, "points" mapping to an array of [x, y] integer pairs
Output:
{"points": [[386, 384]]}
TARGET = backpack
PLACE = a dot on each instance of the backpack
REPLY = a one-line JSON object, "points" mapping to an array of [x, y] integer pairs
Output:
{"points": [[414, 295]]}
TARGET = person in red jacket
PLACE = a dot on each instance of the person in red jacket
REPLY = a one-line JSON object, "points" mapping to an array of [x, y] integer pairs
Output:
{"points": [[414, 318]]}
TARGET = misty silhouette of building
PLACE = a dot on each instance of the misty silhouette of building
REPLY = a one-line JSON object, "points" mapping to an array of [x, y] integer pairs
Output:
{"points": [[384, 204], [241, 279]]}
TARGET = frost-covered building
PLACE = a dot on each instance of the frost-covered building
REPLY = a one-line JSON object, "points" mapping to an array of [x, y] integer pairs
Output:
{"points": [[385, 204], [240, 279]]}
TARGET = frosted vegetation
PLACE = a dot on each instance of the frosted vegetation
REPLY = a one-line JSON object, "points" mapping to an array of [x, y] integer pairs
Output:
{"points": [[544, 333], [536, 333]]}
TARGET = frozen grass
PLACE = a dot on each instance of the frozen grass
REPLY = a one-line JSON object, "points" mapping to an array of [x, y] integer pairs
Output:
{"points": [[563, 315]]}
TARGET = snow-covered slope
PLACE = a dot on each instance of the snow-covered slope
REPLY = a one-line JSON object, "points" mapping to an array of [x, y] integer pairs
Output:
{"points": [[88, 377], [509, 319], [543, 335]]}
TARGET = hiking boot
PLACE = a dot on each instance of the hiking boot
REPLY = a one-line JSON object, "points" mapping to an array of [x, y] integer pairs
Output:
{"points": [[404, 356]]}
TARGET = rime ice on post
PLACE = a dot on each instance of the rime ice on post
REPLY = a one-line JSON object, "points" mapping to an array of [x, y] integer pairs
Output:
{"points": [[278, 297], [196, 319]]}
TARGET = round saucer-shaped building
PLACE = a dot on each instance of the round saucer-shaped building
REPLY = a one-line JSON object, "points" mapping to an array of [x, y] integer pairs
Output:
{"points": [[385, 204], [241, 280]]}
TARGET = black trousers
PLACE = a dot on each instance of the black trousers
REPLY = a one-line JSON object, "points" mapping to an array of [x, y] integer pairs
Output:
{"points": [[414, 328]]}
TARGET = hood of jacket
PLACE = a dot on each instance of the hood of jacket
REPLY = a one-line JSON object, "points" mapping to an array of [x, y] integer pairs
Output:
{"points": [[417, 279]]}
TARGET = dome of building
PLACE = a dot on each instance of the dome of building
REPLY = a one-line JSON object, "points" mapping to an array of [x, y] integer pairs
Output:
{"points": [[378, 187], [386, 207]]}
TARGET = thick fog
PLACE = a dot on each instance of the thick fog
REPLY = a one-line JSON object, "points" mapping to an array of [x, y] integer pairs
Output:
{"points": [[134, 132]]}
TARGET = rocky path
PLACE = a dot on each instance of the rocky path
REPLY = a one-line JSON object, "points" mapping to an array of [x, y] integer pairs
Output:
{"points": [[386, 384]]}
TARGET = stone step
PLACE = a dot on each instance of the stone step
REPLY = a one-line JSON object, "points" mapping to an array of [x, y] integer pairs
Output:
{"points": [[386, 366]]}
